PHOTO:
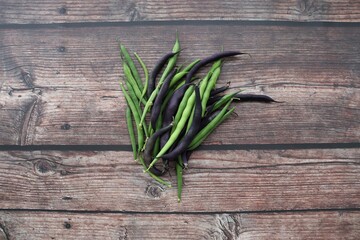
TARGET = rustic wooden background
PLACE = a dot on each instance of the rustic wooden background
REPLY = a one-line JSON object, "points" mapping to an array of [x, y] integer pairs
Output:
{"points": [[279, 171]]}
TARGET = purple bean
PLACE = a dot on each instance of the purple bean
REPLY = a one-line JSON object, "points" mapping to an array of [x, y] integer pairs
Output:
{"points": [[147, 154], [158, 66], [208, 60], [253, 98], [185, 158], [171, 109], [155, 111], [219, 90], [208, 118], [193, 130]]}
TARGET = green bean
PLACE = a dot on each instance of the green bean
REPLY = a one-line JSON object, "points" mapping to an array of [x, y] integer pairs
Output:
{"points": [[223, 100], [210, 127], [146, 74], [211, 85], [132, 81], [179, 174], [202, 88], [179, 127], [138, 109], [182, 73], [189, 92], [136, 116], [131, 92], [172, 61], [167, 70], [157, 143], [132, 66], [223, 118], [204, 84], [131, 131]]}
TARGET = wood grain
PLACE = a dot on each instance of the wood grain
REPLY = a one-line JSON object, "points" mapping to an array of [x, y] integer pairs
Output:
{"points": [[216, 181], [155, 10], [61, 85], [309, 225]]}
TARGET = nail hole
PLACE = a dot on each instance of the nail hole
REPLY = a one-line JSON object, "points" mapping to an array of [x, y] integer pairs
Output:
{"points": [[61, 49], [67, 225], [66, 126], [66, 198], [62, 10]]}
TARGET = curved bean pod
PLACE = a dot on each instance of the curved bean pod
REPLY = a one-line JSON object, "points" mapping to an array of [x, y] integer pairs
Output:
{"points": [[158, 66], [131, 131], [147, 154], [208, 128], [146, 74], [136, 117], [132, 66], [155, 111], [253, 98], [198, 141], [208, 60], [184, 143], [219, 89], [170, 65]]}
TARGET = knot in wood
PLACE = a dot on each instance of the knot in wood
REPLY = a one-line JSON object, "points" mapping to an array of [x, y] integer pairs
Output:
{"points": [[43, 167], [154, 191]]}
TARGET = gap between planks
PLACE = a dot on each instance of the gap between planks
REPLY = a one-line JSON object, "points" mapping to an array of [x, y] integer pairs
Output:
{"points": [[224, 147]]}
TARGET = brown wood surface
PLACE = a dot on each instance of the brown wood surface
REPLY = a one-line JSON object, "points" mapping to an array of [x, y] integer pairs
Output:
{"points": [[60, 86], [104, 226], [17, 11], [217, 181]]}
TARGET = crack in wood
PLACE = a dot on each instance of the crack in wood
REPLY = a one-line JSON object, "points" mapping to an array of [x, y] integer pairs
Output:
{"points": [[310, 7], [28, 118], [3, 233], [227, 226]]}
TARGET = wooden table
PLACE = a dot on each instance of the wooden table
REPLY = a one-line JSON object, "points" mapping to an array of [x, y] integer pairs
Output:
{"points": [[275, 171]]}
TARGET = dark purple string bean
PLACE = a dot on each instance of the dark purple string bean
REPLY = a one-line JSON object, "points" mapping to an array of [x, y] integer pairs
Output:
{"points": [[158, 66], [208, 60], [147, 154], [155, 111], [253, 98], [219, 90], [193, 130]]}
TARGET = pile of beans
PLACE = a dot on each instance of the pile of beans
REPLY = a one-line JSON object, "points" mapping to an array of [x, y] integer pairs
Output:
{"points": [[171, 115]]}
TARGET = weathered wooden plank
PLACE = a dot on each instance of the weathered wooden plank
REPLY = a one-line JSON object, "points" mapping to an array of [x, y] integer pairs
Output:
{"points": [[155, 10], [75, 73], [308, 225], [216, 181]]}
